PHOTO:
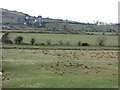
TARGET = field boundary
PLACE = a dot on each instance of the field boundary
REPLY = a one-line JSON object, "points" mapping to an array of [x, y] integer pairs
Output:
{"points": [[54, 48], [48, 32]]}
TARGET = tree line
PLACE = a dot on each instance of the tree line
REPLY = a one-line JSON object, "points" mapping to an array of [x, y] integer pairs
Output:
{"points": [[101, 40]]}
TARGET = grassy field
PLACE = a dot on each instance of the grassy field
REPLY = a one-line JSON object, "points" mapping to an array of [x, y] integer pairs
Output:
{"points": [[60, 69], [96, 27], [72, 38], [101, 33], [61, 47]]}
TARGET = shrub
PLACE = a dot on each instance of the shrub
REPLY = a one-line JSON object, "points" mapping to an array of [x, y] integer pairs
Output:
{"points": [[101, 40], [68, 43], [5, 39], [48, 42], [18, 39], [60, 43], [42, 44], [8, 42], [85, 44], [79, 43], [32, 41]]}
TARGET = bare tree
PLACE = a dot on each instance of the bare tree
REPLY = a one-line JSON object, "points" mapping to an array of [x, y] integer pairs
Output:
{"points": [[48, 42], [67, 43], [101, 40], [60, 42], [53, 26], [64, 26]]}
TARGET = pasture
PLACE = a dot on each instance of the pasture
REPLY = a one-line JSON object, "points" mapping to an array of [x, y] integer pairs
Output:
{"points": [[61, 47], [60, 69], [73, 39], [94, 27]]}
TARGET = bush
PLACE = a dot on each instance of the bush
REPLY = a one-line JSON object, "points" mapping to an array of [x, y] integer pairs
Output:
{"points": [[68, 43], [60, 43], [42, 44], [32, 41], [18, 40], [5, 39], [85, 44], [79, 43], [48, 42], [101, 40], [8, 42]]}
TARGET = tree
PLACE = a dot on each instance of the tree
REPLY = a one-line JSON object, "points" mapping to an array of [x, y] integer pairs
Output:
{"points": [[68, 43], [48, 42], [64, 26], [36, 25], [18, 39], [79, 43], [39, 16], [32, 41], [101, 40], [54, 26], [43, 24], [28, 21], [85, 44], [5, 39], [60, 42], [103, 33]]}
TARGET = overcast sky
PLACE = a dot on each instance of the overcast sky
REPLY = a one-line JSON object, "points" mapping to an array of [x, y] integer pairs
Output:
{"points": [[76, 10]]}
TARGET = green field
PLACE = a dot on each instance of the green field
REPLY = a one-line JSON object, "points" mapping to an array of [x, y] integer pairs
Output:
{"points": [[72, 38], [101, 33], [61, 47], [94, 27], [60, 69], [59, 64]]}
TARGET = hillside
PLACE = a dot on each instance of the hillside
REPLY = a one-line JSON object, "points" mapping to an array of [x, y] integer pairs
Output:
{"points": [[19, 20], [12, 16]]}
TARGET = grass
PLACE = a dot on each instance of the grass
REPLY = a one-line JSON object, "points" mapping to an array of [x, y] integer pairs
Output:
{"points": [[96, 27], [60, 69], [61, 46], [101, 33], [72, 38]]}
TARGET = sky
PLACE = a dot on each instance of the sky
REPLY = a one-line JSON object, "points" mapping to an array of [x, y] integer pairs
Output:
{"points": [[75, 10]]}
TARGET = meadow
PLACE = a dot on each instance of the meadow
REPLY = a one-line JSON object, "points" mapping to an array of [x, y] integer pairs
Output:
{"points": [[60, 69], [33, 66], [57, 47], [94, 27], [73, 39]]}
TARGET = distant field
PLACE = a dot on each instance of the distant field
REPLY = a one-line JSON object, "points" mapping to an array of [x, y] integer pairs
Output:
{"points": [[43, 30], [95, 27], [60, 69], [72, 38], [101, 33]]}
